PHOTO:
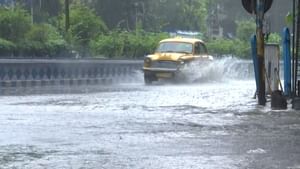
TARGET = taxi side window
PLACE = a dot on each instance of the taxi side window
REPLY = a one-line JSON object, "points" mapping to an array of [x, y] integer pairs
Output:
{"points": [[200, 49], [197, 49]]}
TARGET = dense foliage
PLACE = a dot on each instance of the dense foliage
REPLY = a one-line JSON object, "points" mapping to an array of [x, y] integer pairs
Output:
{"points": [[226, 47], [85, 26], [118, 44], [113, 28], [6, 47], [19, 37], [152, 14], [43, 40], [14, 23]]}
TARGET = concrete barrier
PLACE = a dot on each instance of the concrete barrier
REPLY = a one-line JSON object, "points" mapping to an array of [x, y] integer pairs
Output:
{"points": [[40, 72]]}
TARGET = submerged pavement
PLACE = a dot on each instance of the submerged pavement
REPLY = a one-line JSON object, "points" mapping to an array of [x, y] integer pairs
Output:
{"points": [[208, 125]]}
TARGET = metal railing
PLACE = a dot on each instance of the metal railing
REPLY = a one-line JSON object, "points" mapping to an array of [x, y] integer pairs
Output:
{"points": [[23, 72]]}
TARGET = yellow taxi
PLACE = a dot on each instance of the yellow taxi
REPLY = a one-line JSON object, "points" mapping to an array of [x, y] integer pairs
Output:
{"points": [[171, 56]]}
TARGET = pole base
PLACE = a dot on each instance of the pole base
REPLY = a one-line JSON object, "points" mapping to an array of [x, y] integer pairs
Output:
{"points": [[278, 101], [261, 100], [296, 103]]}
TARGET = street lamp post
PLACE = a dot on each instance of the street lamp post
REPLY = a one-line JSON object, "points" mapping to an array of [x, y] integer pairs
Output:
{"points": [[136, 5], [67, 15], [31, 10]]}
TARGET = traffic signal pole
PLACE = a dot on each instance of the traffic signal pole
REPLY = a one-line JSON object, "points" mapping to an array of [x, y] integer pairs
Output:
{"points": [[260, 52], [259, 8]]}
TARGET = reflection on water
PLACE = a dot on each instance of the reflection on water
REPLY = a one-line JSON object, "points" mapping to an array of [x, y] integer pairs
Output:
{"points": [[213, 124]]}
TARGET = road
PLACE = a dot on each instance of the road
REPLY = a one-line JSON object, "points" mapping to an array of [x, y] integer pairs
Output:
{"points": [[215, 124]]}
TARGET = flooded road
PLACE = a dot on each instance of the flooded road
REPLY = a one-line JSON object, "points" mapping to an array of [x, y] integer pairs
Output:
{"points": [[215, 124]]}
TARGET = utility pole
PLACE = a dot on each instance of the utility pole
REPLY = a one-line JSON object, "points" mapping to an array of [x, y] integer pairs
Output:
{"points": [[136, 5], [67, 15], [259, 8], [260, 52], [31, 11]]}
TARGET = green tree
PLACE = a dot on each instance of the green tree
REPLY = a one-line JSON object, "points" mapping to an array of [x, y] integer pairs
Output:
{"points": [[14, 23], [126, 44], [159, 15], [42, 10], [43, 40], [187, 15], [245, 29], [7, 48], [45, 10], [85, 25], [194, 14]]}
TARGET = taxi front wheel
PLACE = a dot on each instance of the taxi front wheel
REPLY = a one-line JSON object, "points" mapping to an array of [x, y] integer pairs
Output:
{"points": [[148, 79]]}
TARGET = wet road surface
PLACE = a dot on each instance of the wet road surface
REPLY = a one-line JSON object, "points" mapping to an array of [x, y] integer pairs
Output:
{"points": [[211, 125]]}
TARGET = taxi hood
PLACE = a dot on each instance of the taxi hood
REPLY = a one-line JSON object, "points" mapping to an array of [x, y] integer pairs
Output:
{"points": [[170, 56]]}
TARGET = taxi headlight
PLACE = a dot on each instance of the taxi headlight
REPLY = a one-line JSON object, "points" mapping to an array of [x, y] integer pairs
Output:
{"points": [[181, 62], [147, 62]]}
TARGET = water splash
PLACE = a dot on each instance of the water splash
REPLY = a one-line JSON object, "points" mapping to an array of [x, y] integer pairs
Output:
{"points": [[257, 151], [228, 68], [221, 69]]}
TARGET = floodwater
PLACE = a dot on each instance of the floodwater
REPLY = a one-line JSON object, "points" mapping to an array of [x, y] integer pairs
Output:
{"points": [[211, 122]]}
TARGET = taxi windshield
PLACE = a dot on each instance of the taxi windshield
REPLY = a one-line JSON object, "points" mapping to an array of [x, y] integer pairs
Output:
{"points": [[175, 47]]}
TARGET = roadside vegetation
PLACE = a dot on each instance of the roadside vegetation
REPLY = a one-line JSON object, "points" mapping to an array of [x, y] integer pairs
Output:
{"points": [[131, 32]]}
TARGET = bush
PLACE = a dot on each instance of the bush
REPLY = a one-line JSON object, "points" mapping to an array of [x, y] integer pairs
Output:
{"points": [[220, 46], [110, 45], [7, 48], [43, 40], [140, 43], [242, 49], [274, 38], [126, 44], [14, 24], [85, 26], [223, 47]]}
